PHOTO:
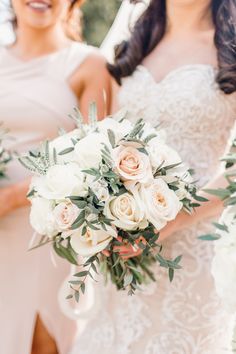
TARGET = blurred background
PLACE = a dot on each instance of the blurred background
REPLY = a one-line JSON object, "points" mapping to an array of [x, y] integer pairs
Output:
{"points": [[97, 17]]}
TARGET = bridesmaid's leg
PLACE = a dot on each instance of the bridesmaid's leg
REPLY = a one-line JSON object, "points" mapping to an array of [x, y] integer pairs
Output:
{"points": [[43, 343]]}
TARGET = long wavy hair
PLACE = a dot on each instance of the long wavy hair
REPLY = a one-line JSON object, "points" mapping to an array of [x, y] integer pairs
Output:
{"points": [[151, 27]]}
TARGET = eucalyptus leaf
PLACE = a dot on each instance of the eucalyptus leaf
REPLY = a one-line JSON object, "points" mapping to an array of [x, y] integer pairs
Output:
{"points": [[171, 274], [66, 151], [209, 237], [112, 138]]}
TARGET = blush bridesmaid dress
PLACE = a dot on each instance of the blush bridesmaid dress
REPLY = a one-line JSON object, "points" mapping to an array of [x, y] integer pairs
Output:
{"points": [[35, 100]]}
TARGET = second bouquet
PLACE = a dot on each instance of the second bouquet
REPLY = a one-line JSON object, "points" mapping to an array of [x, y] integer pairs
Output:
{"points": [[109, 185]]}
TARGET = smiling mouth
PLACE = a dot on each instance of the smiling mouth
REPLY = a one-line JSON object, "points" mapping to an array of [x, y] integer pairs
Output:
{"points": [[40, 6]]}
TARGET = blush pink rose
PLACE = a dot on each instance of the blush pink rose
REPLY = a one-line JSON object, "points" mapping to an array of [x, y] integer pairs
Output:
{"points": [[65, 214], [132, 165]]}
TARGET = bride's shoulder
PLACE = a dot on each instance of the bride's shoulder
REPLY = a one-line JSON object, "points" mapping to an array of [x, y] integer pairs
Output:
{"points": [[135, 83]]}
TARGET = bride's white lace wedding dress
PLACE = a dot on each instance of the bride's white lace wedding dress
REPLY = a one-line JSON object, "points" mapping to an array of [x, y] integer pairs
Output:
{"points": [[185, 316]]}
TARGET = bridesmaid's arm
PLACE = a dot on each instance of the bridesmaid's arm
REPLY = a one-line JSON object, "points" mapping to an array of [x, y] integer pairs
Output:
{"points": [[92, 83], [13, 197]]}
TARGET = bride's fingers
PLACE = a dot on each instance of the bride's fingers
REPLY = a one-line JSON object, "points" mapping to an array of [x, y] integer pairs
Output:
{"points": [[106, 253], [127, 252]]}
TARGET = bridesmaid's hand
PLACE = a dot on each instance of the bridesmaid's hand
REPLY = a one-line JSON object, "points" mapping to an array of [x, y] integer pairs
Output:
{"points": [[13, 197], [6, 201]]}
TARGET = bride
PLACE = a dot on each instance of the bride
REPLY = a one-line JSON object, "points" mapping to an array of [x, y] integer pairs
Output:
{"points": [[179, 69]]}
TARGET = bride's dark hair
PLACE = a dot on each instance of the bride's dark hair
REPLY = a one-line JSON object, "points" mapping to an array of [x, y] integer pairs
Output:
{"points": [[150, 29]]}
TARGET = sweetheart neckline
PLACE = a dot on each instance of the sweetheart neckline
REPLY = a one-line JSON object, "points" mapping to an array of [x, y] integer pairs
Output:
{"points": [[172, 72]]}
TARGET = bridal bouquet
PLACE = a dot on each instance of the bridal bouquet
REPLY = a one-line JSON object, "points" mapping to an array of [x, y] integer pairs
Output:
{"points": [[105, 185], [5, 156], [224, 262]]}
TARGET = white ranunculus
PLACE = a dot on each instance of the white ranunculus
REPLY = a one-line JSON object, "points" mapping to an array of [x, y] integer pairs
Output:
{"points": [[126, 211], [100, 189], [161, 203], [60, 182], [93, 241], [120, 129], [42, 218], [65, 213], [162, 154], [88, 150]]}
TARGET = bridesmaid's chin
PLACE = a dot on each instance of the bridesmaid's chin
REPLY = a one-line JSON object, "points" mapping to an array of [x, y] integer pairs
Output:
{"points": [[40, 14]]}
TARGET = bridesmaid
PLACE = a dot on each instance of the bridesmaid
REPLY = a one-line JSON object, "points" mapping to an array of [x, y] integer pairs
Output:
{"points": [[43, 75]]}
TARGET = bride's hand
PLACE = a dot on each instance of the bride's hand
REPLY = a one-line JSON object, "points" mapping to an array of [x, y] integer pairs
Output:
{"points": [[13, 197], [126, 251]]}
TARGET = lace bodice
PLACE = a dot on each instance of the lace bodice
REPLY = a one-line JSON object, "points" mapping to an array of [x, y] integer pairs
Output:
{"points": [[188, 103], [184, 317]]}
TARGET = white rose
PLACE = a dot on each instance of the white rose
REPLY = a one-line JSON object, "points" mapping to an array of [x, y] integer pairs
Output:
{"points": [[100, 189], [162, 154], [65, 214], [126, 212], [161, 203], [41, 217], [132, 165], [93, 241], [88, 150], [60, 182], [120, 129]]}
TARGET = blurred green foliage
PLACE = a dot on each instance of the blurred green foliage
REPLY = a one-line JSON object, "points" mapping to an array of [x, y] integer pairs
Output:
{"points": [[98, 16]]}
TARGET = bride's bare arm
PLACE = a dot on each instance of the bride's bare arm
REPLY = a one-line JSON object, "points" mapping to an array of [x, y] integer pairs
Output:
{"points": [[213, 207], [209, 209]]}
